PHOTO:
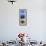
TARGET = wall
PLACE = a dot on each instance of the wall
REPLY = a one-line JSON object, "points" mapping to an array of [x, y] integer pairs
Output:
{"points": [[36, 19]]}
